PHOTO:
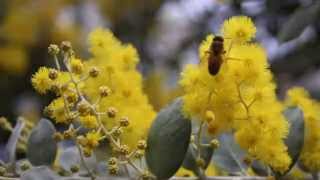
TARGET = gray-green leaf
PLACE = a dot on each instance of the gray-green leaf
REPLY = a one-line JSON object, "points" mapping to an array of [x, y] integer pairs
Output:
{"points": [[10, 150], [39, 173], [168, 141], [70, 156], [42, 148], [229, 156], [295, 139], [302, 18]]}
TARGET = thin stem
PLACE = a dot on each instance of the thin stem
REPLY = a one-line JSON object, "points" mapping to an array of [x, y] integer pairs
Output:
{"points": [[84, 163], [57, 62], [8, 178], [242, 101]]}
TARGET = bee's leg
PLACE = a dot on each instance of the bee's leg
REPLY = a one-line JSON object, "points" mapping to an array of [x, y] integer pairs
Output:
{"points": [[233, 59], [229, 48]]}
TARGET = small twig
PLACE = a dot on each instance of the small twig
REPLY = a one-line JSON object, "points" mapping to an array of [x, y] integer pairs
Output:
{"points": [[84, 163]]}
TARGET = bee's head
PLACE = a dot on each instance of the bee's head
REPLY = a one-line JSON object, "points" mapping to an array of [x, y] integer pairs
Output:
{"points": [[218, 38]]}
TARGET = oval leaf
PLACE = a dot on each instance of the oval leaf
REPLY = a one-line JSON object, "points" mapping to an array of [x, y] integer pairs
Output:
{"points": [[229, 156], [70, 156], [302, 18], [168, 141], [42, 148], [39, 173], [295, 139]]}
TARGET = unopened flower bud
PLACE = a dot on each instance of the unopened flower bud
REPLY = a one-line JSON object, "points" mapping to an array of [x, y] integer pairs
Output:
{"points": [[214, 144], [53, 74], [72, 97], [124, 122], [200, 163], [116, 132], [53, 49], [124, 149], [94, 72], [4, 124], [104, 91], [112, 161], [66, 46], [112, 112], [25, 166], [113, 170], [142, 145], [75, 168], [83, 108]]}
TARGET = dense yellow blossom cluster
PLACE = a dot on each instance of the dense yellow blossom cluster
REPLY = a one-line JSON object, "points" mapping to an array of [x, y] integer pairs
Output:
{"points": [[310, 156], [241, 97], [103, 94], [118, 71]]}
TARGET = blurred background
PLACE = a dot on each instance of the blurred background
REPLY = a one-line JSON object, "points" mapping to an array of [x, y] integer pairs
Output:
{"points": [[166, 33]]}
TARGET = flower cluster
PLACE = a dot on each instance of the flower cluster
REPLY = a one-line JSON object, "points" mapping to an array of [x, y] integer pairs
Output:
{"points": [[103, 95], [310, 155], [241, 97]]}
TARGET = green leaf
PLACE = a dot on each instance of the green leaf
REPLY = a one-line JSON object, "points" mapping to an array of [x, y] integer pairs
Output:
{"points": [[295, 139], [10, 149], [42, 148], [302, 18], [39, 173], [191, 156], [229, 156], [168, 141]]}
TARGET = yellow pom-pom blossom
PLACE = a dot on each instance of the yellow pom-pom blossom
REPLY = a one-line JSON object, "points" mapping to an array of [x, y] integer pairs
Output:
{"points": [[57, 110], [41, 81], [89, 121], [310, 156], [92, 139], [117, 63], [240, 97], [239, 28], [76, 66]]}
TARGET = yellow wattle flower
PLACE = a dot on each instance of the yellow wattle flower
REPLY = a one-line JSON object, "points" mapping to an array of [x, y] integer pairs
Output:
{"points": [[117, 63], [238, 96], [239, 28], [41, 81], [92, 139], [89, 121]]}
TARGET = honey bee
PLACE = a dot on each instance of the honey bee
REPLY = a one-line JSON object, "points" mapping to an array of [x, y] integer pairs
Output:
{"points": [[216, 53]]}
